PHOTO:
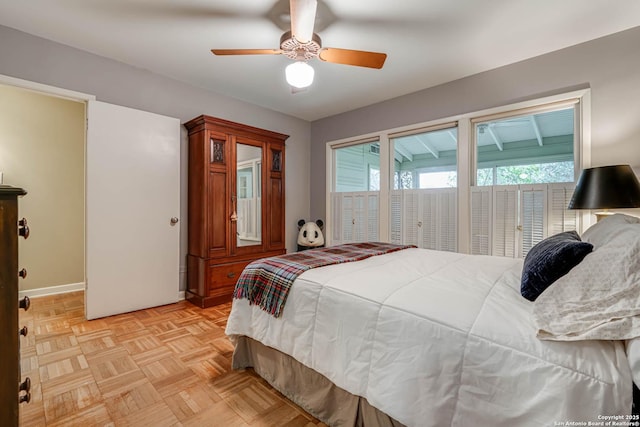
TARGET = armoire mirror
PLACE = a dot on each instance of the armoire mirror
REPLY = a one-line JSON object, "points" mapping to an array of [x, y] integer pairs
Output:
{"points": [[248, 195]]}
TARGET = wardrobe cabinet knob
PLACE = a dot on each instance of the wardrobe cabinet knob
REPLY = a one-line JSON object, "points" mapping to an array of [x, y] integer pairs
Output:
{"points": [[24, 331], [24, 229], [23, 273], [25, 303], [25, 398], [26, 385]]}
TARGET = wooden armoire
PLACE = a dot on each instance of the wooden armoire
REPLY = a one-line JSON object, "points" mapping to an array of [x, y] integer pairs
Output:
{"points": [[236, 204]]}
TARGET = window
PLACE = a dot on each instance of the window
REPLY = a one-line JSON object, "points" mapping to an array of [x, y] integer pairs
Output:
{"points": [[492, 182], [526, 174], [355, 166], [374, 178], [446, 179], [355, 199], [535, 148], [424, 195], [524, 180]]}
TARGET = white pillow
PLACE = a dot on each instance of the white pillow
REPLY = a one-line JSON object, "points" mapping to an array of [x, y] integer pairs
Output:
{"points": [[607, 229], [600, 297], [632, 348]]}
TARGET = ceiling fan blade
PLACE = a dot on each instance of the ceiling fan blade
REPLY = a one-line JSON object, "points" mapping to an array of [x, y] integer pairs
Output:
{"points": [[246, 51], [303, 17], [359, 58]]}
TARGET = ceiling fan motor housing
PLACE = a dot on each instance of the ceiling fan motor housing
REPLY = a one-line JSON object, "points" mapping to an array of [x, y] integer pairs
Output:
{"points": [[295, 50]]}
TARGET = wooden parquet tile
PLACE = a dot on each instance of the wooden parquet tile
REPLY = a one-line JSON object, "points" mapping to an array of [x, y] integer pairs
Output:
{"points": [[164, 366]]}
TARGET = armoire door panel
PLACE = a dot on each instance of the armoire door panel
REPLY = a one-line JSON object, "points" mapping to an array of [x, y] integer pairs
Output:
{"points": [[218, 214], [276, 217], [197, 197]]}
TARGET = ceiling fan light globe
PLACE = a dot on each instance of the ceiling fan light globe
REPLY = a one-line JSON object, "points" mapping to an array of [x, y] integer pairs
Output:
{"points": [[299, 74]]}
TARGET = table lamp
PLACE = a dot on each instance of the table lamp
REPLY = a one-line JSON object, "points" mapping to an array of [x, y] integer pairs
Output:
{"points": [[606, 187]]}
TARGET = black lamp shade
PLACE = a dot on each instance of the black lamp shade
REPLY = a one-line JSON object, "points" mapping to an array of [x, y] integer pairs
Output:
{"points": [[606, 187]]}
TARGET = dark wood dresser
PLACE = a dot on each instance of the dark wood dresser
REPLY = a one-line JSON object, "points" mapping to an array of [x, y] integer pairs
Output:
{"points": [[13, 390]]}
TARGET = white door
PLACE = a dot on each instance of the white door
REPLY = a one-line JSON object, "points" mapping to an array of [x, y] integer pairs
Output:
{"points": [[133, 192]]}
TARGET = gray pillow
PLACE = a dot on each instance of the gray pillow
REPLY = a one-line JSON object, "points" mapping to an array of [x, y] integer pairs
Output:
{"points": [[549, 260], [607, 228]]}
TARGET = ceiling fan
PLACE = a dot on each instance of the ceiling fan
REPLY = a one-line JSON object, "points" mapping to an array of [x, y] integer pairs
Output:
{"points": [[301, 44]]}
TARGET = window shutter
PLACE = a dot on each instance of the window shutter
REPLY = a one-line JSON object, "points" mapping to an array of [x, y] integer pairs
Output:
{"points": [[355, 217], [428, 219], [410, 227], [447, 218], [396, 216], [336, 218], [559, 217], [359, 218], [481, 220], [373, 218], [505, 213], [347, 219], [533, 216]]}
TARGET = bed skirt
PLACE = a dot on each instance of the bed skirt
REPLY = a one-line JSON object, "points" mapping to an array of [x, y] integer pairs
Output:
{"points": [[307, 388]]}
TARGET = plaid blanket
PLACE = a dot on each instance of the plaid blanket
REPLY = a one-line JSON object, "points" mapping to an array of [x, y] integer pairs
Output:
{"points": [[266, 282]]}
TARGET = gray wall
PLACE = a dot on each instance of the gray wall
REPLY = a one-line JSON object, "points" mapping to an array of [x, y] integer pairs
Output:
{"points": [[610, 66], [35, 59]]}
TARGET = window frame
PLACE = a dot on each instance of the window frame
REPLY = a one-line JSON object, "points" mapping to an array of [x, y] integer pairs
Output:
{"points": [[466, 154]]}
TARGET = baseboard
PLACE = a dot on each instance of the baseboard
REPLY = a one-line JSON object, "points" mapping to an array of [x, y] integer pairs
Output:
{"points": [[63, 289], [52, 290]]}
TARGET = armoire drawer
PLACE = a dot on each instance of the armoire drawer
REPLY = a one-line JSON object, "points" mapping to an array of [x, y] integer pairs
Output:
{"points": [[225, 274]]}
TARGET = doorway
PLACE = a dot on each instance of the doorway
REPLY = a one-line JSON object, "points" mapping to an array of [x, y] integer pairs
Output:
{"points": [[42, 143]]}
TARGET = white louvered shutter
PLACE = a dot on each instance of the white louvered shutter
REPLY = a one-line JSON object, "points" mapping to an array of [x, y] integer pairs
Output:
{"points": [[359, 218], [355, 217], [559, 217], [504, 220], [373, 217], [481, 210], [427, 223], [347, 218], [533, 216], [447, 220], [410, 218], [336, 218], [396, 217]]}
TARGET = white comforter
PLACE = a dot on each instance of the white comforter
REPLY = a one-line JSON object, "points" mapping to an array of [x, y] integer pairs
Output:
{"points": [[437, 339]]}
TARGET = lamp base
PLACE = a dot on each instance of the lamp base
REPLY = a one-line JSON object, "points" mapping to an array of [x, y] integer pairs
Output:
{"points": [[602, 214]]}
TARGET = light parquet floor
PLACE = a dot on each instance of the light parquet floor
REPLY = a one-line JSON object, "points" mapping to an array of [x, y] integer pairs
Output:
{"points": [[164, 366]]}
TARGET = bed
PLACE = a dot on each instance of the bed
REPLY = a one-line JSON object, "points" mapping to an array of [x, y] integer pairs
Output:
{"points": [[418, 337]]}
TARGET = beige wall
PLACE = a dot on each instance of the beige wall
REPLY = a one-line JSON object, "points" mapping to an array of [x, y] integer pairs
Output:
{"points": [[42, 151]]}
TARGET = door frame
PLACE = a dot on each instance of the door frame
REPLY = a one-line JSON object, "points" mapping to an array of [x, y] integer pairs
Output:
{"points": [[84, 98], [73, 96]]}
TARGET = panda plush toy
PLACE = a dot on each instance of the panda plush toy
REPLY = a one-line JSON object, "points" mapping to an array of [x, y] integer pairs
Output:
{"points": [[310, 235]]}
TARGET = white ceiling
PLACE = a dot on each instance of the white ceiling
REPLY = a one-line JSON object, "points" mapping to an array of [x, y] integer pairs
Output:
{"points": [[428, 42]]}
